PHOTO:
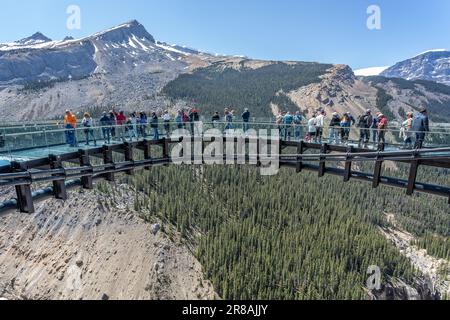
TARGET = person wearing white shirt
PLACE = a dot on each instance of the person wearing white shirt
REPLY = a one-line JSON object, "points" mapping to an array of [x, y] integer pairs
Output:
{"points": [[320, 119]]}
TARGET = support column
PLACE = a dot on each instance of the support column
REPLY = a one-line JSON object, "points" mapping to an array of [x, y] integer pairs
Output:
{"points": [[108, 159], [166, 150], [377, 172], [86, 181], [129, 156], [323, 151], [300, 150], [147, 153], [59, 186], [24, 194], [412, 177], [348, 165]]}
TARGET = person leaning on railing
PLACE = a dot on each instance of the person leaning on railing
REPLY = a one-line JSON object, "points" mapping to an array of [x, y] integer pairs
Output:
{"points": [[105, 123], [405, 131], [365, 121], [298, 119], [421, 126], [215, 119], [335, 124], [70, 123], [320, 122], [88, 125], [382, 128], [246, 119]]}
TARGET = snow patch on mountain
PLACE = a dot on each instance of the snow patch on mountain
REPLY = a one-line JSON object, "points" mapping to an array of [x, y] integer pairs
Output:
{"points": [[367, 72]]}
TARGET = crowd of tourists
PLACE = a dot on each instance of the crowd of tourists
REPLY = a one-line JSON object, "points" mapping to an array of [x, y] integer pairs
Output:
{"points": [[118, 126]]}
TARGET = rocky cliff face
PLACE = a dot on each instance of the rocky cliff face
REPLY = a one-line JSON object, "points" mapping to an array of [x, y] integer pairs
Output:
{"points": [[94, 247]]}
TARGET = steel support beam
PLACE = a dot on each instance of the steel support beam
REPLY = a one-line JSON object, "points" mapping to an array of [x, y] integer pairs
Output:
{"points": [[59, 186], [108, 159], [85, 163], [348, 165]]}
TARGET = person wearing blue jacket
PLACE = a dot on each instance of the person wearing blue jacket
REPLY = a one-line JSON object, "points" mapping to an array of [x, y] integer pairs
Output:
{"points": [[421, 127], [106, 124]]}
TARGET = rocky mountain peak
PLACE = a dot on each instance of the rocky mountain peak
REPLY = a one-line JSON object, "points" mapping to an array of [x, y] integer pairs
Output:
{"points": [[124, 32], [432, 65], [38, 37]]}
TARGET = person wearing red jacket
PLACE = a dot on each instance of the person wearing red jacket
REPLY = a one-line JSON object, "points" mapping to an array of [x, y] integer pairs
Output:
{"points": [[121, 120]]}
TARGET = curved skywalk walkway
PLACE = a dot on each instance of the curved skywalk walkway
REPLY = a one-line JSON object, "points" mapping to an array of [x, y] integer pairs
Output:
{"points": [[37, 157]]}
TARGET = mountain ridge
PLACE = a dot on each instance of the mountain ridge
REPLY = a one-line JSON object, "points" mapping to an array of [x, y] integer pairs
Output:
{"points": [[433, 65]]}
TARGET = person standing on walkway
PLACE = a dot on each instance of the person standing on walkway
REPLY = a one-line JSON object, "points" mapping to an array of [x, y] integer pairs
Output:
{"points": [[335, 123], [246, 119], [166, 120], [406, 129], [105, 123], [215, 119], [374, 128], [185, 119], [320, 122], [365, 121], [228, 120], [288, 120], [382, 128], [143, 123], [113, 124], [121, 120], [179, 119], [70, 123], [194, 119], [421, 126], [345, 128], [88, 125], [132, 126], [298, 119], [312, 128]]}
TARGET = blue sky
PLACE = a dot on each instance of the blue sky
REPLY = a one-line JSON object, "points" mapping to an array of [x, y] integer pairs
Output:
{"points": [[331, 31]]}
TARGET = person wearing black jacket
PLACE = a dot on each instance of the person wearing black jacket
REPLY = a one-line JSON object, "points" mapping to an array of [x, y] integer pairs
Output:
{"points": [[335, 123], [421, 125], [364, 123], [246, 119], [215, 119], [154, 126]]}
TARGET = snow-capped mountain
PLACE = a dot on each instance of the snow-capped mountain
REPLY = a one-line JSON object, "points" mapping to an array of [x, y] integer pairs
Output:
{"points": [[433, 65], [123, 65], [115, 50], [367, 72], [34, 39]]}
